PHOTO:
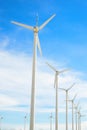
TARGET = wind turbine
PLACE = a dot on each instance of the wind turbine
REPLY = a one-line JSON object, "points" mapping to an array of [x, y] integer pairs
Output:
{"points": [[76, 111], [72, 101], [35, 29], [25, 117], [80, 116], [66, 90], [56, 86], [1, 122], [25, 121], [51, 117]]}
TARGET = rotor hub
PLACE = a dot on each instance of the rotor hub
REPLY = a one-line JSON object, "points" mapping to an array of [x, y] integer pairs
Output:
{"points": [[36, 29], [57, 72]]}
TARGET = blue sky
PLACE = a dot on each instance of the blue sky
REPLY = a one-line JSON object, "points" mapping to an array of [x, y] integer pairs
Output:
{"points": [[69, 27], [63, 43]]}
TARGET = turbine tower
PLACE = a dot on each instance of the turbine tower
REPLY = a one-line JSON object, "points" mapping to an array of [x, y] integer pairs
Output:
{"points": [[35, 29], [56, 86], [66, 90], [72, 101], [76, 111]]}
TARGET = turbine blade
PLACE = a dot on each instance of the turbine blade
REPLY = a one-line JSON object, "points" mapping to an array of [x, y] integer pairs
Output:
{"points": [[62, 89], [82, 115], [46, 22], [51, 66], [78, 103], [74, 97], [37, 18], [71, 86], [38, 44], [23, 25], [63, 70]]}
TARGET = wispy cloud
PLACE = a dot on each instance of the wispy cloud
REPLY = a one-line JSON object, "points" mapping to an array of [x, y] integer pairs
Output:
{"points": [[15, 77]]}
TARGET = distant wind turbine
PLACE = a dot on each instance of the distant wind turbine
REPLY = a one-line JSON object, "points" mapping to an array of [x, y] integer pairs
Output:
{"points": [[72, 101], [76, 111], [51, 117], [66, 90], [1, 122], [56, 86], [25, 117], [35, 29], [80, 116]]}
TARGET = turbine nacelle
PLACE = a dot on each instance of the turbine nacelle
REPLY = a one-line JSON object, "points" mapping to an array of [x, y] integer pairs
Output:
{"points": [[57, 72]]}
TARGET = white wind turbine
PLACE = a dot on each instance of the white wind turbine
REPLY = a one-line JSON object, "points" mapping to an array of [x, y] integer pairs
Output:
{"points": [[80, 116], [56, 86], [66, 90], [51, 117], [25, 119], [76, 111], [35, 29], [72, 101], [1, 122]]}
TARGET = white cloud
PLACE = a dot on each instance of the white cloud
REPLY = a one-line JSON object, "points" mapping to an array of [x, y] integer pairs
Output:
{"points": [[15, 76], [15, 84], [6, 101]]}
